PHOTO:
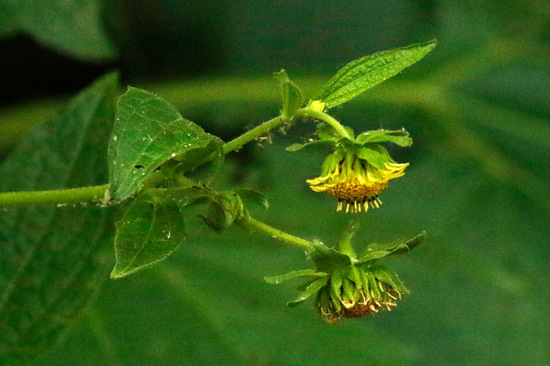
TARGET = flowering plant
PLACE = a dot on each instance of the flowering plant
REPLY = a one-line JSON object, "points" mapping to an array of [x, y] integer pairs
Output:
{"points": [[162, 184]]}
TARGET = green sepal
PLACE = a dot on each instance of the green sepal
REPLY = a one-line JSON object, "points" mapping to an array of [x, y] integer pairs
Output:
{"points": [[399, 137], [364, 73], [385, 274], [336, 281], [377, 251], [331, 162], [312, 289], [310, 272], [376, 155], [292, 95], [355, 275], [345, 244], [329, 260]]}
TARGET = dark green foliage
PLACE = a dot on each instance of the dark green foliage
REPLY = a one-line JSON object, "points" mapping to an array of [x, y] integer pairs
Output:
{"points": [[53, 260]]}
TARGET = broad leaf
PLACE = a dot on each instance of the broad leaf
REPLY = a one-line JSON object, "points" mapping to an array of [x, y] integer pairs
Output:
{"points": [[364, 73], [148, 233], [148, 131], [53, 259], [294, 274], [312, 289], [73, 27], [292, 95], [377, 251], [399, 137]]}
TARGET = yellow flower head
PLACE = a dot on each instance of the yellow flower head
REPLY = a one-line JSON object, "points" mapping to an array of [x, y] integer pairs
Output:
{"points": [[356, 176]]}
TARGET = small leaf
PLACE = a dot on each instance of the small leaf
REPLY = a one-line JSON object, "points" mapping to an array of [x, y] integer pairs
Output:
{"points": [[148, 233], [292, 95], [296, 147], [385, 274], [399, 137], [148, 131], [294, 274], [364, 73], [377, 251], [310, 290], [329, 260]]}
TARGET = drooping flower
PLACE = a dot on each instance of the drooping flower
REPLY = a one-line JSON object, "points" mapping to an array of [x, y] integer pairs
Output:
{"points": [[356, 176], [349, 286], [359, 168]]}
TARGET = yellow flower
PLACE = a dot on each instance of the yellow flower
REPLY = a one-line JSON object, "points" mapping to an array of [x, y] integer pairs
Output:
{"points": [[356, 176]]}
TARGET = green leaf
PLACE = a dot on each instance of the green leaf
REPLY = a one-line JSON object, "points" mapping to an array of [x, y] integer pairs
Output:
{"points": [[385, 274], [73, 27], [329, 260], [148, 131], [376, 155], [399, 137], [292, 95], [327, 132], [364, 73], [294, 274], [312, 289], [296, 147], [148, 233], [377, 251], [54, 259]]}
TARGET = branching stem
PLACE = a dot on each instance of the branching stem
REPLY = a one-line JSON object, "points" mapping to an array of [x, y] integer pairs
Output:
{"points": [[97, 193], [278, 234]]}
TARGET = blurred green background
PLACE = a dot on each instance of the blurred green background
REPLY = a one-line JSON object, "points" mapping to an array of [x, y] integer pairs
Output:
{"points": [[477, 108]]}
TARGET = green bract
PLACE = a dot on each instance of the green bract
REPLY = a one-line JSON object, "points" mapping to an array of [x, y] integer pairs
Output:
{"points": [[292, 95]]}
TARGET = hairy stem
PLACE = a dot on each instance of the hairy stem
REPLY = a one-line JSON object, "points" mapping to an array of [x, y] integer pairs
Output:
{"points": [[58, 196], [252, 134], [307, 112], [276, 233]]}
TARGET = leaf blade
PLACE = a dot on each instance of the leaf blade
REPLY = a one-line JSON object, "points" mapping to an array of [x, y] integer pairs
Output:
{"points": [[148, 131], [148, 233], [53, 260], [366, 72]]}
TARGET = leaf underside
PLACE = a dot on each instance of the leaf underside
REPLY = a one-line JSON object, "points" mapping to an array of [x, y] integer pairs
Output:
{"points": [[53, 260]]}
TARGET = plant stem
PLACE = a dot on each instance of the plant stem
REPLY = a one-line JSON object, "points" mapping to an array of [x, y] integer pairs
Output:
{"points": [[58, 196], [252, 134], [307, 112], [96, 193], [276, 233]]}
